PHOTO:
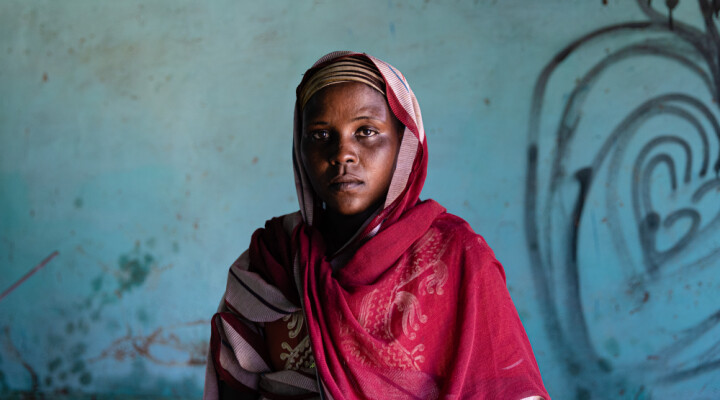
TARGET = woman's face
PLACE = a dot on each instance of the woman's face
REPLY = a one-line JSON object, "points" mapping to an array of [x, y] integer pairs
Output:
{"points": [[349, 145]]}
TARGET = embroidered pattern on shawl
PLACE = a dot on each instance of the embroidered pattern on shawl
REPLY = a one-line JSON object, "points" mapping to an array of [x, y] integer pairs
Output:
{"points": [[426, 272]]}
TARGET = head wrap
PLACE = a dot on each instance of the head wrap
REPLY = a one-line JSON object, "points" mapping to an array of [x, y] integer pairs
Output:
{"points": [[348, 69]]}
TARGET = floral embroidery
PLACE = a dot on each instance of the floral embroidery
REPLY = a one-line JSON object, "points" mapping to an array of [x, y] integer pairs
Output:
{"points": [[295, 325], [298, 357], [409, 305], [424, 274]]}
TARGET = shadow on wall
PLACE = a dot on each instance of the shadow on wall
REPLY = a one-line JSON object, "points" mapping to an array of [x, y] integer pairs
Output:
{"points": [[623, 207]]}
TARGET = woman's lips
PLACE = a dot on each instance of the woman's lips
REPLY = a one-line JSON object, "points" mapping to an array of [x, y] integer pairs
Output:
{"points": [[345, 183]]}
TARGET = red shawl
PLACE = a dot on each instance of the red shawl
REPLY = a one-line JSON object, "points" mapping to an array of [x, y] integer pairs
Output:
{"points": [[418, 309]]}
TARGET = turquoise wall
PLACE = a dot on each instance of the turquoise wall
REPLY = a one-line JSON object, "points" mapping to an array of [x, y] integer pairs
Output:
{"points": [[145, 141]]}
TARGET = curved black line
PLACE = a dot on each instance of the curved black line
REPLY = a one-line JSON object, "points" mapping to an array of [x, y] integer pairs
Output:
{"points": [[541, 280], [691, 372], [618, 140], [699, 128], [689, 335], [703, 109], [573, 301], [564, 134], [704, 189], [640, 159], [658, 102], [648, 228], [705, 42], [571, 118], [707, 13], [687, 237], [647, 173]]}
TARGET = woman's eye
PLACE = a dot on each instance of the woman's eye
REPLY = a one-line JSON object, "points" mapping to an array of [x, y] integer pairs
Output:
{"points": [[367, 132], [320, 135]]}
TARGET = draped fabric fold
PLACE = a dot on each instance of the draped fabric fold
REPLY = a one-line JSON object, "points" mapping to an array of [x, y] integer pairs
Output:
{"points": [[417, 310]]}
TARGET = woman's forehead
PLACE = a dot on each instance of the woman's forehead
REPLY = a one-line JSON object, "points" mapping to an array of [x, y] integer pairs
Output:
{"points": [[351, 97]]}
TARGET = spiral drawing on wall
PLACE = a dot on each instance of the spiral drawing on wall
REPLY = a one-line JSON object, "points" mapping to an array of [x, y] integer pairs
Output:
{"points": [[622, 208]]}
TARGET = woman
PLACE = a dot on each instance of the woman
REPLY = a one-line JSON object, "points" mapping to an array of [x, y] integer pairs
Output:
{"points": [[366, 292]]}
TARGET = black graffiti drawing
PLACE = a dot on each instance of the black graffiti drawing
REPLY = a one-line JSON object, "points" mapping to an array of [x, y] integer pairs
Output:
{"points": [[692, 159]]}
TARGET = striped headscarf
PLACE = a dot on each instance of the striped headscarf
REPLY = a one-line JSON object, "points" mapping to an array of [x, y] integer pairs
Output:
{"points": [[348, 69]]}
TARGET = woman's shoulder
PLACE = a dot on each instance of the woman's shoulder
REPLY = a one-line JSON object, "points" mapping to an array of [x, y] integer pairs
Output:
{"points": [[464, 241], [284, 223], [290, 221], [456, 229]]}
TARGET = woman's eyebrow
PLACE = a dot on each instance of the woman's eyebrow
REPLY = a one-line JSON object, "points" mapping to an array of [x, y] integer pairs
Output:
{"points": [[365, 117], [369, 112], [318, 123]]}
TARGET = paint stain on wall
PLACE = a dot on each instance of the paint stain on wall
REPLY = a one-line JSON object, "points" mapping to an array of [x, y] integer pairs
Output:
{"points": [[70, 365], [54, 364], [612, 346], [134, 269], [151, 347], [3, 383], [96, 284]]}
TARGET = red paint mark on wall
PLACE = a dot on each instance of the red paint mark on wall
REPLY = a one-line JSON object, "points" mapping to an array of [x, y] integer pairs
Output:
{"points": [[29, 274], [10, 346], [131, 346]]}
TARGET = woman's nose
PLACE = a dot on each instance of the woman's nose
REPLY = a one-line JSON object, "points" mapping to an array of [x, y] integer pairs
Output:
{"points": [[345, 152]]}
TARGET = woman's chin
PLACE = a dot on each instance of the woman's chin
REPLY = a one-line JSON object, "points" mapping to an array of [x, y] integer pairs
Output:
{"points": [[350, 210]]}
